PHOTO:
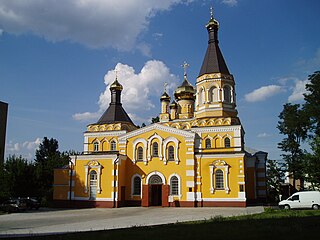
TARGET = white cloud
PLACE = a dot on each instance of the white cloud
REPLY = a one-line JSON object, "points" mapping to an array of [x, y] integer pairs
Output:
{"points": [[298, 90], [263, 93], [263, 135], [94, 23], [1, 31], [26, 149], [230, 3], [141, 91]]}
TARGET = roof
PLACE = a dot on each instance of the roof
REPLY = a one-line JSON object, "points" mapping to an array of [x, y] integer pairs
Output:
{"points": [[114, 114], [213, 61]]}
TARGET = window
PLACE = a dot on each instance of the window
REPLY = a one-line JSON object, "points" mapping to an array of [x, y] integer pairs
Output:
{"points": [[174, 186], [113, 146], [213, 94], [96, 147], [219, 179], [227, 142], [155, 150], [93, 185], [295, 198], [170, 153], [227, 94], [241, 188], [208, 143], [201, 96], [136, 186], [140, 154]]}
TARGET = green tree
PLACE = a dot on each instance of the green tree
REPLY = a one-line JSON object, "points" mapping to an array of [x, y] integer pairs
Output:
{"points": [[47, 158], [313, 164], [275, 177], [19, 177], [312, 102], [294, 125]]}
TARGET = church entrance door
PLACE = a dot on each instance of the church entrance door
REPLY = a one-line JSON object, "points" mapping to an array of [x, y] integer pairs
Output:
{"points": [[155, 188]]}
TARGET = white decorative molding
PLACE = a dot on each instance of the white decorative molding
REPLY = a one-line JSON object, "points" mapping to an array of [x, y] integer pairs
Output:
{"points": [[179, 184], [156, 173], [135, 143], [190, 183], [176, 149], [150, 149], [155, 127], [190, 162], [104, 133], [219, 164], [190, 173]]}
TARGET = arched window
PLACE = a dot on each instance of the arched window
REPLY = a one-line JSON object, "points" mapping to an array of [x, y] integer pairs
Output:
{"points": [[93, 185], [208, 143], [213, 94], [219, 179], [201, 96], [113, 146], [155, 149], [174, 185], [96, 147], [227, 142], [227, 93], [170, 153], [136, 186], [140, 154]]}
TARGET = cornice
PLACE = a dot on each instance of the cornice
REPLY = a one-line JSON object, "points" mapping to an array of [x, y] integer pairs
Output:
{"points": [[157, 126]]}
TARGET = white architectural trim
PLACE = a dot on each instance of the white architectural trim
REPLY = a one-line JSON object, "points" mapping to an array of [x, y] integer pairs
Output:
{"points": [[219, 164], [179, 184], [135, 143], [156, 173], [104, 133], [224, 199], [176, 149], [155, 136], [154, 127]]}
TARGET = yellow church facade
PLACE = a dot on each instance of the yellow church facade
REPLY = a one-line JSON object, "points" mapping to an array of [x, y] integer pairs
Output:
{"points": [[194, 156]]}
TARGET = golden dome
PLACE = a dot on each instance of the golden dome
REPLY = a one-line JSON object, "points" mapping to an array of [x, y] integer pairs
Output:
{"points": [[116, 86], [185, 90], [165, 97]]}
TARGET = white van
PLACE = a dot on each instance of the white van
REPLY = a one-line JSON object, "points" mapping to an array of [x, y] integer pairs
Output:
{"points": [[309, 199]]}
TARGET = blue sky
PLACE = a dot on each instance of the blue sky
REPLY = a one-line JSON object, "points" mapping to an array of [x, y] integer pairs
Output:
{"points": [[56, 61]]}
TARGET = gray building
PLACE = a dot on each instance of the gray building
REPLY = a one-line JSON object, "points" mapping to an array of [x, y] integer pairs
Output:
{"points": [[3, 127]]}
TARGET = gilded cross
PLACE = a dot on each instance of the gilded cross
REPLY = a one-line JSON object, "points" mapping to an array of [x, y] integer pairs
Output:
{"points": [[165, 86], [185, 65], [211, 12]]}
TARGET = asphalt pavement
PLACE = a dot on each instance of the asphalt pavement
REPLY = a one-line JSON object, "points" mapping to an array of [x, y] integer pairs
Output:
{"points": [[58, 221]]}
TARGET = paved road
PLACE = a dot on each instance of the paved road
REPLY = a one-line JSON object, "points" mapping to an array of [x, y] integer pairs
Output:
{"points": [[49, 221]]}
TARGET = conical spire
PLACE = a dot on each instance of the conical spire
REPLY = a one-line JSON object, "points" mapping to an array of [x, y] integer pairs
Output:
{"points": [[213, 61], [115, 112]]}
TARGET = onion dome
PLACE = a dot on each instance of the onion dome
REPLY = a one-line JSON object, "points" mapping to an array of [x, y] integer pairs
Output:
{"points": [[185, 90], [173, 105], [165, 97], [116, 85], [213, 23]]}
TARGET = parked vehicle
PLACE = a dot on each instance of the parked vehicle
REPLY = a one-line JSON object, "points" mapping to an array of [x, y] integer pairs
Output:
{"points": [[32, 203], [14, 205], [310, 199]]}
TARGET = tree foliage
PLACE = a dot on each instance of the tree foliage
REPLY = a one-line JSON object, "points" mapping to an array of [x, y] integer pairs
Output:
{"points": [[312, 102], [294, 125], [48, 157], [275, 177]]}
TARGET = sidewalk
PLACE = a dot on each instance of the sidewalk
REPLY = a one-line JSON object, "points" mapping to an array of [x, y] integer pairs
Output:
{"points": [[76, 220]]}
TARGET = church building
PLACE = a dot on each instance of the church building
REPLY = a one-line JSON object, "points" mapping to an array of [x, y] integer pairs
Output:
{"points": [[193, 157]]}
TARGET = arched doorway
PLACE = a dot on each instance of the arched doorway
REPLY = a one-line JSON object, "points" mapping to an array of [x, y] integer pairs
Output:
{"points": [[155, 190]]}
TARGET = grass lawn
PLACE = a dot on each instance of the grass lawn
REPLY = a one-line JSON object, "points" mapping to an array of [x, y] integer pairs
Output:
{"points": [[272, 224]]}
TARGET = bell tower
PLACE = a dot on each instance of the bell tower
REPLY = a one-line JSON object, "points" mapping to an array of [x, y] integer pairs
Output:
{"points": [[215, 86]]}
